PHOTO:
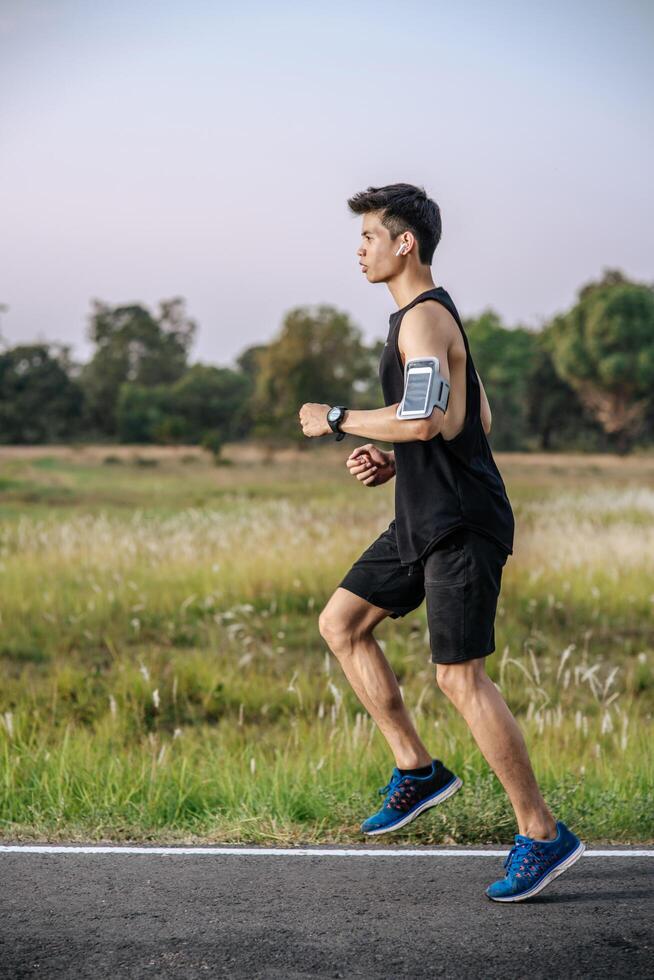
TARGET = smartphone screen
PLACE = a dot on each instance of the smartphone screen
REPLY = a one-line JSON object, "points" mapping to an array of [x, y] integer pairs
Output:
{"points": [[417, 390]]}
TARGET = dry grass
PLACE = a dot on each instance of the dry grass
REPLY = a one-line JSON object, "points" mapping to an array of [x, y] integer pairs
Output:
{"points": [[159, 626]]}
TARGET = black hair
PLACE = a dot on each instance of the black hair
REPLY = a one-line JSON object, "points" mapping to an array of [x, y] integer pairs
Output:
{"points": [[404, 207]]}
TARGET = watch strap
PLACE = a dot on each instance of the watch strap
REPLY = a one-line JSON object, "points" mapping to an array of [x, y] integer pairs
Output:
{"points": [[335, 426]]}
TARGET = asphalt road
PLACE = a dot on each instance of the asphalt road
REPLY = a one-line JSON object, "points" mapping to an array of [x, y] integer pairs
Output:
{"points": [[149, 915]]}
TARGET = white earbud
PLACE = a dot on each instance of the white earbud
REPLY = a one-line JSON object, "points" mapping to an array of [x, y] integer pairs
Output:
{"points": [[403, 247]]}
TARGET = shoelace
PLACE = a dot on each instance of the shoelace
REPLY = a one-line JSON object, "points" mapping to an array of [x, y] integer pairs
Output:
{"points": [[523, 858], [400, 796], [516, 855], [390, 785]]}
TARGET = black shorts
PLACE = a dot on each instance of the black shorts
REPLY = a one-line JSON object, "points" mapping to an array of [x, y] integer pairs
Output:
{"points": [[460, 576]]}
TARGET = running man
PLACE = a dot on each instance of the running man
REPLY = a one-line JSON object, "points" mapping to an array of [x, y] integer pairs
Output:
{"points": [[448, 542]]}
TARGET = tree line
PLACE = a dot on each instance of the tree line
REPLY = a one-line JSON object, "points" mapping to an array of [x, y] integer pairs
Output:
{"points": [[583, 382]]}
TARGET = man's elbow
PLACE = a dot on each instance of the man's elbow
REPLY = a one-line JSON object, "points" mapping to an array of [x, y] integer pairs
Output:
{"points": [[486, 424], [429, 428]]}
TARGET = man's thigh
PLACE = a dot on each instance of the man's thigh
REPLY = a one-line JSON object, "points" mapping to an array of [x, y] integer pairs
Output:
{"points": [[379, 579]]}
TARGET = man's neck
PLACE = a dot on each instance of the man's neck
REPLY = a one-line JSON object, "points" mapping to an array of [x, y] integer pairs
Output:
{"points": [[408, 287]]}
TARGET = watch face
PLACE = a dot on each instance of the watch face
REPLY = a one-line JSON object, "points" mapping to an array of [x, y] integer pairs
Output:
{"points": [[333, 414]]}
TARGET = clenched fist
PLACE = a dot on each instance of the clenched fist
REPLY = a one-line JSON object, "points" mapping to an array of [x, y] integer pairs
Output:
{"points": [[370, 465]]}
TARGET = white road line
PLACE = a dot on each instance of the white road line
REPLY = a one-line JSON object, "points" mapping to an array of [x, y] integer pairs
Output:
{"points": [[286, 851]]}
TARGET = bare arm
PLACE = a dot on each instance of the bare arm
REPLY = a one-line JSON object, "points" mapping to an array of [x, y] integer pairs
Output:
{"points": [[381, 423], [423, 335]]}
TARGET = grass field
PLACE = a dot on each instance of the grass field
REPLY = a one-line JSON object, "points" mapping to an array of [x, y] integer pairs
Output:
{"points": [[163, 677]]}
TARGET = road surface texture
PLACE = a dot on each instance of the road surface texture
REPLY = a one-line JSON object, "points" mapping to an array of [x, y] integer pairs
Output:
{"points": [[115, 915]]}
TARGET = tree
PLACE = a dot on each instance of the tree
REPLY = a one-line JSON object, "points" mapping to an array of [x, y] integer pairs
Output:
{"points": [[39, 402], [503, 358], [367, 391], [3, 309], [249, 360], [205, 399], [604, 348], [554, 414], [133, 345], [212, 398], [317, 357], [141, 411]]}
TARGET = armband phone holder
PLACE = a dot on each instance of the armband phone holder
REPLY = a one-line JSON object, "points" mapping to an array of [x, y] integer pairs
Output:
{"points": [[425, 388]]}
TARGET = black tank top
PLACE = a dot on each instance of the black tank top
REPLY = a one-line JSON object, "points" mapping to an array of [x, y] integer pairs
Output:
{"points": [[443, 484]]}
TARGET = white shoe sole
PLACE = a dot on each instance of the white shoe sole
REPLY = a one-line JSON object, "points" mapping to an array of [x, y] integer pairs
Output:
{"points": [[445, 794], [554, 873]]}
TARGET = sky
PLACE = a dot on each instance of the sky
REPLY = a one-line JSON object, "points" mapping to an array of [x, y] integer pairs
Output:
{"points": [[207, 150]]}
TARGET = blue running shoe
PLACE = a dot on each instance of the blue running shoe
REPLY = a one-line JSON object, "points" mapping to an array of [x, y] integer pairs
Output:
{"points": [[532, 864], [408, 796]]}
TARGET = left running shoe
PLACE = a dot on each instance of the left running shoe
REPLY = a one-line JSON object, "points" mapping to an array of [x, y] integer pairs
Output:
{"points": [[532, 864], [408, 796]]}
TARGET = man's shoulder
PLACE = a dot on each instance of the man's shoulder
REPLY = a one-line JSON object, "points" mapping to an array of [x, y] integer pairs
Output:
{"points": [[429, 319], [429, 312]]}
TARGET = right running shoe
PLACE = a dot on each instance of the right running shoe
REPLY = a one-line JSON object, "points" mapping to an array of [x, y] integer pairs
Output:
{"points": [[409, 796], [532, 864]]}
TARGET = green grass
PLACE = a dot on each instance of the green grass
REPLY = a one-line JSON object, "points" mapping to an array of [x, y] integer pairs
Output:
{"points": [[164, 678]]}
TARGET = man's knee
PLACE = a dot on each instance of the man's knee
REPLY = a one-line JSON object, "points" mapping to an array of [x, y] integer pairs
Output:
{"points": [[339, 632], [459, 681], [328, 624], [333, 628]]}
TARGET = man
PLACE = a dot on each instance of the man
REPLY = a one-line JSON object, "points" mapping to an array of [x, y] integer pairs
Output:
{"points": [[449, 540]]}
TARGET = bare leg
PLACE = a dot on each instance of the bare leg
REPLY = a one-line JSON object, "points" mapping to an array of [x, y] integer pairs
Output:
{"points": [[500, 740], [346, 624]]}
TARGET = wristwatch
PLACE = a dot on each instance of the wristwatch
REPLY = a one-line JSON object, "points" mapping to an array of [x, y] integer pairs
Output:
{"points": [[335, 417]]}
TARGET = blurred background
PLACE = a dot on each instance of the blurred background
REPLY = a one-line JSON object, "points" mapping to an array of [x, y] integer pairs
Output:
{"points": [[178, 275], [175, 238]]}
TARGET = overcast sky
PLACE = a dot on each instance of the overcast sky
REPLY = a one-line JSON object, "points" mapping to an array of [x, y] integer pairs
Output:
{"points": [[207, 149]]}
